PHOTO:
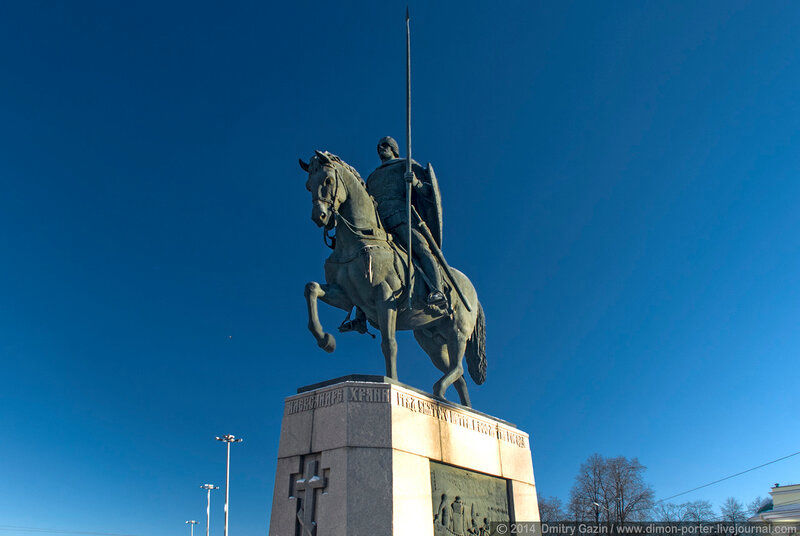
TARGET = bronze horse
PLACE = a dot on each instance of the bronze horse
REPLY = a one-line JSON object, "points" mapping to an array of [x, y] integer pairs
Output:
{"points": [[366, 269]]}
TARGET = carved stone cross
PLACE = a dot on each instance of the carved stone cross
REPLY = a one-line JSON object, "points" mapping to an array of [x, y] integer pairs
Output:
{"points": [[305, 489]]}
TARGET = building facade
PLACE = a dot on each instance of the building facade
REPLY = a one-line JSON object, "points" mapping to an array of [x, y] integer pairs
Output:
{"points": [[784, 506]]}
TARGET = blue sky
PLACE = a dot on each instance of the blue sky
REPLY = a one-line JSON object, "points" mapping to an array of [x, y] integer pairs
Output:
{"points": [[620, 182]]}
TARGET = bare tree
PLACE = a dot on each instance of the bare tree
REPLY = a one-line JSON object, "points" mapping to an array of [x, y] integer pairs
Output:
{"points": [[578, 510], [733, 511], [610, 489], [668, 512], [586, 498], [550, 509], [631, 497], [698, 511], [755, 505]]}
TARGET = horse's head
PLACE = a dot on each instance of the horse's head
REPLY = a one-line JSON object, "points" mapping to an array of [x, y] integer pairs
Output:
{"points": [[326, 187]]}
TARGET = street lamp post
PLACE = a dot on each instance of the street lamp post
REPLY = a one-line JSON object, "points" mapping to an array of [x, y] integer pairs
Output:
{"points": [[191, 524], [208, 487], [597, 511], [604, 507], [228, 439]]}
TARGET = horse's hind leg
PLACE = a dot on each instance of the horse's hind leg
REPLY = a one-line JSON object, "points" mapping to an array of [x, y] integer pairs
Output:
{"points": [[461, 387], [332, 295], [435, 349], [387, 321], [456, 346], [441, 359]]}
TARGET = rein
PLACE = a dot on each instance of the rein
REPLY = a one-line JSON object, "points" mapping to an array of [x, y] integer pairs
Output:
{"points": [[337, 217]]}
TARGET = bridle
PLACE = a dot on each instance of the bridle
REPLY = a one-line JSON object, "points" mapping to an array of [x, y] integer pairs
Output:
{"points": [[327, 239], [330, 240]]}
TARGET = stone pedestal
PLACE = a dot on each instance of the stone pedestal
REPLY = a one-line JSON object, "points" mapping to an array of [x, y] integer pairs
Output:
{"points": [[365, 456]]}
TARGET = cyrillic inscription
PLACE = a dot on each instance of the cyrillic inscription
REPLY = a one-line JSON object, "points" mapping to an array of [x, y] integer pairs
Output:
{"points": [[408, 401], [336, 396], [367, 394], [433, 409], [315, 400]]}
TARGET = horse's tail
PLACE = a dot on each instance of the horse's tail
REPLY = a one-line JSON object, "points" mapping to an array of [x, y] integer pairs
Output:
{"points": [[476, 349]]}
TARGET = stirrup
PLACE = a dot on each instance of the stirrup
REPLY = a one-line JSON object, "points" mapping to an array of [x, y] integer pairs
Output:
{"points": [[356, 325]]}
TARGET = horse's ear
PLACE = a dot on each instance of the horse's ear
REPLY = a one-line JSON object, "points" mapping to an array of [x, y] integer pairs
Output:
{"points": [[323, 157], [303, 165]]}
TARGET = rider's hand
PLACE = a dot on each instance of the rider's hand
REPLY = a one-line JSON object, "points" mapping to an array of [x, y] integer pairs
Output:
{"points": [[412, 179]]}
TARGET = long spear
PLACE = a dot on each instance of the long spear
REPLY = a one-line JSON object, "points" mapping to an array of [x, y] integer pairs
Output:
{"points": [[409, 176]]}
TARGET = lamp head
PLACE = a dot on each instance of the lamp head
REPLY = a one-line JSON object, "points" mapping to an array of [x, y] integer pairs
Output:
{"points": [[229, 438]]}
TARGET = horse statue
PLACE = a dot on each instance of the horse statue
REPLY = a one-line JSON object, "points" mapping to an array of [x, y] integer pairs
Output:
{"points": [[368, 270]]}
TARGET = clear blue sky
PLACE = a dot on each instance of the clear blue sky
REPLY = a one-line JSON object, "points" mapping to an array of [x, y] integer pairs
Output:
{"points": [[620, 182]]}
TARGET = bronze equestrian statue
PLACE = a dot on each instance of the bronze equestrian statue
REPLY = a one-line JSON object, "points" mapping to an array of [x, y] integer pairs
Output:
{"points": [[369, 265]]}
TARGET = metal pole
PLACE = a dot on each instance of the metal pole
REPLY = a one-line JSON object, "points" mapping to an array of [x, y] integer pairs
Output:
{"points": [[208, 513], [227, 486], [408, 91], [228, 439], [208, 488], [409, 176]]}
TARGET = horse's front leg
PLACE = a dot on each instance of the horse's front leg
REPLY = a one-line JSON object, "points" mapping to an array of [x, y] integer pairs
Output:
{"points": [[332, 295], [387, 321]]}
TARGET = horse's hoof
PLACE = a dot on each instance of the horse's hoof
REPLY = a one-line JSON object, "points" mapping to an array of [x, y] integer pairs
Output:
{"points": [[328, 343]]}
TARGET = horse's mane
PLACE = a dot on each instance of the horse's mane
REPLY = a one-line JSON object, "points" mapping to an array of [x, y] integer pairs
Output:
{"points": [[344, 164]]}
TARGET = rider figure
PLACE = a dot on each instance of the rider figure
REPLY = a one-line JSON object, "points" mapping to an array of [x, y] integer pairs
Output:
{"points": [[387, 184]]}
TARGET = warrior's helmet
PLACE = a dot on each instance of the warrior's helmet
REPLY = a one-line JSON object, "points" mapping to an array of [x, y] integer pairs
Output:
{"points": [[390, 141]]}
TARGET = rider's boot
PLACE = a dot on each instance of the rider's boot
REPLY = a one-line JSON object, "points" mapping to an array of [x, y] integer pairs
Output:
{"points": [[436, 298]]}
